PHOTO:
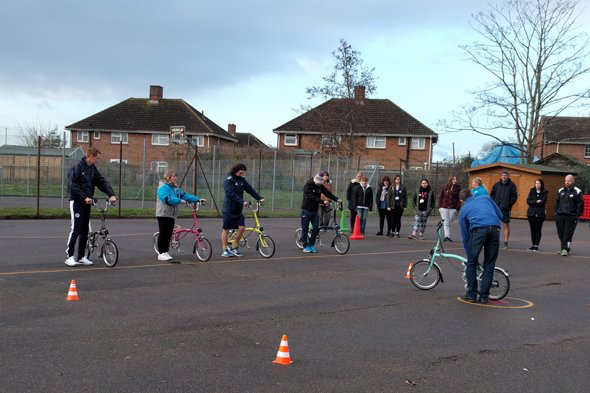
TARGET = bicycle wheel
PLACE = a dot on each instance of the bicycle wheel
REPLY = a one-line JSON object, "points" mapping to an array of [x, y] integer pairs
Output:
{"points": [[110, 253], [298, 238], [202, 248], [424, 276], [265, 246], [500, 285], [341, 243], [155, 242]]}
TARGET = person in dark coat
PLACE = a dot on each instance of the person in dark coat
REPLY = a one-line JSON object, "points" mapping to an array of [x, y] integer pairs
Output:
{"points": [[363, 200], [536, 212], [313, 190], [423, 202], [398, 201], [504, 193], [350, 190], [569, 205], [382, 201]]}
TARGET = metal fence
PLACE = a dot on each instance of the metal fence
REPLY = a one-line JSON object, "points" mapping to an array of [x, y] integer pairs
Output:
{"points": [[277, 175]]}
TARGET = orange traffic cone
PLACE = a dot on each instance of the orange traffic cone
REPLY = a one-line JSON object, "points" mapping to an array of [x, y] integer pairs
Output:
{"points": [[283, 356], [356, 232], [409, 268], [72, 293]]}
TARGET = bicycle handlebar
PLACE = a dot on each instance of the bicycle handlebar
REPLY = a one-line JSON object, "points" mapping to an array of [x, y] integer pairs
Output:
{"points": [[97, 205]]}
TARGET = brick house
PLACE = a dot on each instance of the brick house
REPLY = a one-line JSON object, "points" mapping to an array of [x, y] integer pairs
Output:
{"points": [[565, 135], [374, 129], [139, 122]]}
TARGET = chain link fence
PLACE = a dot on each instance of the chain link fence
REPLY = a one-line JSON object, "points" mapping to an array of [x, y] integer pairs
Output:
{"points": [[277, 175]]}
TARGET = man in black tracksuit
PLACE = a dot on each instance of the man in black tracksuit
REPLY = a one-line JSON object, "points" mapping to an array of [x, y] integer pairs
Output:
{"points": [[569, 205], [82, 179], [312, 191], [504, 193]]}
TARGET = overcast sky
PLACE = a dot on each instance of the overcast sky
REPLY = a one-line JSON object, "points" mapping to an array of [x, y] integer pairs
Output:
{"points": [[242, 62]]}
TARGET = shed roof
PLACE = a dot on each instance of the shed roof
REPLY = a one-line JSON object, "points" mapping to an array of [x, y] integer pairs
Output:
{"points": [[530, 168]]}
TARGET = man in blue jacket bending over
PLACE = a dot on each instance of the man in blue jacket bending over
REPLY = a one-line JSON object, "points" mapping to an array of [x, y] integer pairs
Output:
{"points": [[233, 204], [480, 222]]}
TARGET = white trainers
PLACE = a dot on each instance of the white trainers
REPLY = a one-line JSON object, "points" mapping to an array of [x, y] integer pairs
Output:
{"points": [[85, 261], [71, 261], [164, 256]]}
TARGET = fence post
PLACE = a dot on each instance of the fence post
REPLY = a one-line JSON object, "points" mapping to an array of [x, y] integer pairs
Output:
{"points": [[28, 173], [213, 172], [292, 180], [143, 176], [63, 169], [38, 172], [274, 173], [120, 175], [259, 169], [337, 174]]}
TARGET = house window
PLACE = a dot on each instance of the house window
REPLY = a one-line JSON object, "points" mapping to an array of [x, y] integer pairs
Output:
{"points": [[118, 137], [290, 139], [82, 136], [418, 143], [376, 142], [160, 139], [330, 140], [200, 139], [587, 151], [160, 166], [402, 141], [96, 135], [116, 161]]}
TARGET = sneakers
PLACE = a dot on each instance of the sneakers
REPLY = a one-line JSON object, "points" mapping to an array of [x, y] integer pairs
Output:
{"points": [[379, 233], [85, 261], [226, 253], [396, 234], [534, 248], [313, 249], [412, 236], [564, 253], [448, 239], [505, 245], [421, 237], [468, 299], [164, 256], [483, 300], [307, 249], [71, 261], [236, 252]]}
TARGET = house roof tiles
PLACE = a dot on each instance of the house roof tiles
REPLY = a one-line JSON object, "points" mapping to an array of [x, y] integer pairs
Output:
{"points": [[566, 129]]}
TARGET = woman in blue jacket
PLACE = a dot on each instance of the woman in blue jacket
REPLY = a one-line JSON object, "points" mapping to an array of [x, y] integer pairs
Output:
{"points": [[170, 196]]}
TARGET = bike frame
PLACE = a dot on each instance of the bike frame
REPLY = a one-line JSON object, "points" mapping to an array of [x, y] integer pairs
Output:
{"points": [[335, 225], [103, 232], [257, 228], [180, 233]]}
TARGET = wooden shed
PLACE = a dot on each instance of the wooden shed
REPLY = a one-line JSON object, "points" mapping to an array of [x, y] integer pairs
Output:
{"points": [[523, 176]]}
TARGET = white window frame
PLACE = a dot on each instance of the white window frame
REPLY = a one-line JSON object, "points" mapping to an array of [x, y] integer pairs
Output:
{"points": [[372, 142], [160, 166], [116, 161], [586, 151], [416, 143], [96, 135], [82, 136], [402, 141], [123, 136], [296, 143], [200, 140], [160, 139], [331, 140]]}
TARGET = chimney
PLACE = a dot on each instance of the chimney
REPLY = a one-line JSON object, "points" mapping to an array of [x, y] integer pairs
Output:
{"points": [[359, 94], [156, 93], [231, 128]]}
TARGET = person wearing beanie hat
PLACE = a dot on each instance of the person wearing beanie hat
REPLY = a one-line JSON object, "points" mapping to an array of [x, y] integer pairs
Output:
{"points": [[312, 197]]}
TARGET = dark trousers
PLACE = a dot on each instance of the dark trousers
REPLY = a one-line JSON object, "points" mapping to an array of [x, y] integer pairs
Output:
{"points": [[566, 225], [353, 215], [307, 217], [80, 213], [325, 216], [396, 218], [536, 224], [165, 227], [487, 238], [385, 214]]}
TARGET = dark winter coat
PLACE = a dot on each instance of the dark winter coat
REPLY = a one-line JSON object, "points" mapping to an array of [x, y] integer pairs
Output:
{"points": [[429, 198], [234, 187], [569, 202], [312, 196], [403, 197], [449, 197], [536, 209], [82, 179], [350, 190], [504, 194], [363, 197]]}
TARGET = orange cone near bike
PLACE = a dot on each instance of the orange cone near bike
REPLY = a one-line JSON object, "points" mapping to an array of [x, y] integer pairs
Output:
{"points": [[356, 232], [283, 356], [409, 269], [73, 292]]}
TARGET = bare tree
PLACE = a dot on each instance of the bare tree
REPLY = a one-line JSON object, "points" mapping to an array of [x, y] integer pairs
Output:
{"points": [[347, 73], [29, 133], [534, 53]]}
